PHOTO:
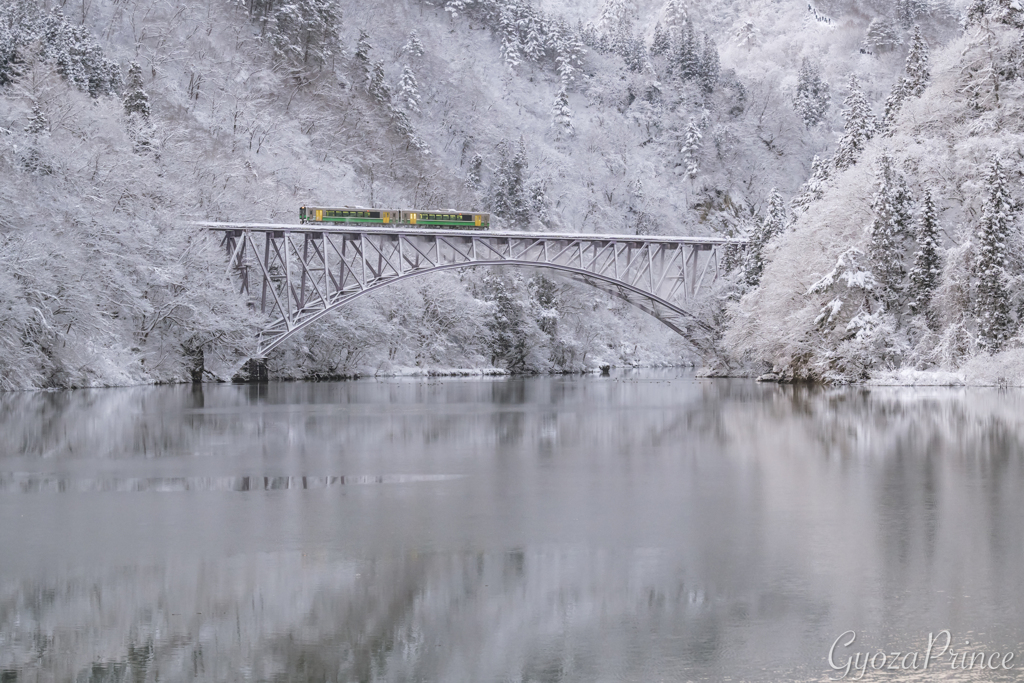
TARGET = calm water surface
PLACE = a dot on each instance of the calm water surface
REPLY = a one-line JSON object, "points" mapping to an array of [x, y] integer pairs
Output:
{"points": [[650, 527]]}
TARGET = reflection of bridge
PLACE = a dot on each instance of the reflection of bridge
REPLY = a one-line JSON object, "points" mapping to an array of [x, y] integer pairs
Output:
{"points": [[297, 274]]}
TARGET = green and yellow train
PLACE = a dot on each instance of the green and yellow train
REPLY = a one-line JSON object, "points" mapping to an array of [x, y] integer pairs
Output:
{"points": [[359, 216]]}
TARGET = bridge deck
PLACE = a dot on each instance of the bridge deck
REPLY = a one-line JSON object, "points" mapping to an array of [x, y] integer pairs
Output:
{"points": [[515, 234]]}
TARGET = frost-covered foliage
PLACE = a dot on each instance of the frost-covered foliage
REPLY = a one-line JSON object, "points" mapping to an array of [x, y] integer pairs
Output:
{"points": [[258, 106], [857, 287]]}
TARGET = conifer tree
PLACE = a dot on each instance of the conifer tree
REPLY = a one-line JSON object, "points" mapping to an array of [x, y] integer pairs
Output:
{"points": [[765, 230], [889, 231], [362, 57], [860, 127], [918, 73], [408, 91], [924, 276], [474, 176], [709, 66], [509, 195], [378, 86], [685, 62], [561, 116], [413, 47], [662, 43], [38, 124], [692, 145], [893, 104], [812, 95], [748, 35], [511, 48], [136, 100], [992, 307], [882, 36]]}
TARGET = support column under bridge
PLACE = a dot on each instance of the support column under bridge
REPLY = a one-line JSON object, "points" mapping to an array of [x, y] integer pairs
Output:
{"points": [[296, 274]]}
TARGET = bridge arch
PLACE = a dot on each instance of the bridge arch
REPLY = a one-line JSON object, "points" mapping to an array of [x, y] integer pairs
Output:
{"points": [[679, 320], [299, 274]]}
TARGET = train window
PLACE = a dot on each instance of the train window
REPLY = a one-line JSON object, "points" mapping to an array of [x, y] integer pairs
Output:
{"points": [[375, 214]]}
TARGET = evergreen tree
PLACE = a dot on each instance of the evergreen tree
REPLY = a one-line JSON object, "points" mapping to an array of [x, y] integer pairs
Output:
{"points": [[693, 144], [77, 56], [772, 224], [509, 196], [634, 54], [511, 48], [893, 104], [882, 36], [709, 67], [136, 100], [456, 7], [362, 57], [917, 70], [378, 86], [38, 124], [567, 45], [413, 47], [662, 42], [676, 16], [1009, 12], [992, 307], [924, 276], [685, 62], [860, 127], [749, 36], [474, 177], [305, 32], [508, 342], [561, 116], [889, 232], [535, 42], [812, 95], [408, 91]]}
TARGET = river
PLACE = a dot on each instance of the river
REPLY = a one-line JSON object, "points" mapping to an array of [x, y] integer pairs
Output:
{"points": [[644, 527]]}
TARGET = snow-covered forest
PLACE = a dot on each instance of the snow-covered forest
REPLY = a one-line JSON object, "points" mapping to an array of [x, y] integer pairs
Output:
{"points": [[870, 150]]}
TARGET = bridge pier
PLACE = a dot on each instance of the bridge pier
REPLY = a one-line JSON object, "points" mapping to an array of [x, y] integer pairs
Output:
{"points": [[253, 372]]}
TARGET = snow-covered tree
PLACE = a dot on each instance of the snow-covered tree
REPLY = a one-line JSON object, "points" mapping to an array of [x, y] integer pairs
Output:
{"points": [[685, 59], [409, 91], [882, 36], [1009, 12], [748, 35], [305, 32], [561, 116], [893, 104], [992, 307], [709, 67], [509, 197], [378, 86], [693, 144], [812, 98], [924, 275], [474, 176], [78, 57], [860, 127], [362, 57], [662, 43], [413, 47], [511, 47], [889, 232], [918, 73], [38, 124], [136, 100], [772, 224], [456, 7]]}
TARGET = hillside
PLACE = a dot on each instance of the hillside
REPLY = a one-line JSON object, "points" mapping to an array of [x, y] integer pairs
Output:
{"points": [[906, 267], [677, 118]]}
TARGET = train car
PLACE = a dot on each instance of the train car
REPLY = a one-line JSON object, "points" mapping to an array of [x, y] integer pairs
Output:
{"points": [[440, 218], [447, 218], [348, 215]]}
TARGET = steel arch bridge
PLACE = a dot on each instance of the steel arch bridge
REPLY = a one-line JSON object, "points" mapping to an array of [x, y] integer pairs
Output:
{"points": [[297, 274]]}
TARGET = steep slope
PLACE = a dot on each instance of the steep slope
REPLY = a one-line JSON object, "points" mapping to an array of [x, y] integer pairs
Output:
{"points": [[258, 106], [843, 297]]}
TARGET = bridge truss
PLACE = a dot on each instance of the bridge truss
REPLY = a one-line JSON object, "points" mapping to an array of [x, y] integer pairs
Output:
{"points": [[297, 274]]}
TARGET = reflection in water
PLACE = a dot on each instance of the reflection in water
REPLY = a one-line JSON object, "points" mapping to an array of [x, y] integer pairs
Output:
{"points": [[638, 528]]}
